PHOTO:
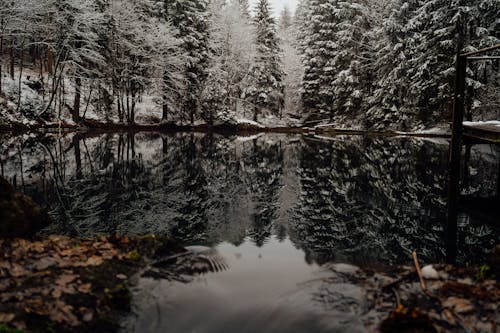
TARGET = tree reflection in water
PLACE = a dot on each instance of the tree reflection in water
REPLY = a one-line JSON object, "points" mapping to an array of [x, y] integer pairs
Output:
{"points": [[356, 199]]}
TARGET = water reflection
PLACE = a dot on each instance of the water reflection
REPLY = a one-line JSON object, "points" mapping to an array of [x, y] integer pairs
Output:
{"points": [[356, 199], [261, 292]]}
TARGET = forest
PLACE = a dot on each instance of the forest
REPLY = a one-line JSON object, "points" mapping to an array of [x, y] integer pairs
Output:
{"points": [[386, 65], [249, 166]]}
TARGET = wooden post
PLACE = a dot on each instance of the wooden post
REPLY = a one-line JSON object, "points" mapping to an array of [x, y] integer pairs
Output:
{"points": [[454, 160], [498, 182], [78, 158], [76, 102]]}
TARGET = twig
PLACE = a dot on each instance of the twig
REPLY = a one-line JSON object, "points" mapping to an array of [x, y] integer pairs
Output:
{"points": [[403, 278], [398, 299], [422, 282], [419, 271]]}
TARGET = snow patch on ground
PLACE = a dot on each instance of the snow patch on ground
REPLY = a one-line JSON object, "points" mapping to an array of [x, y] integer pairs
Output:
{"points": [[243, 121], [330, 138], [337, 127], [249, 138], [477, 123], [435, 141], [433, 131]]}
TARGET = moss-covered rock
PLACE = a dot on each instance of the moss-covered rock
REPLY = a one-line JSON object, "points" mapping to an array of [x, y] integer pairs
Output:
{"points": [[20, 216]]}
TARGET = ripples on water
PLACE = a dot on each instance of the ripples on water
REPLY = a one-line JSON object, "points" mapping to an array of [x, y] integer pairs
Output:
{"points": [[276, 207]]}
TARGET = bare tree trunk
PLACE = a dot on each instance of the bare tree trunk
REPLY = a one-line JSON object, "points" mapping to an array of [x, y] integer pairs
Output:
{"points": [[120, 111], [76, 103], [22, 167], [21, 64], [55, 83], [11, 57], [164, 115], [88, 102], [132, 107], [128, 105], [192, 113], [49, 61], [41, 63], [78, 158], [1, 58]]}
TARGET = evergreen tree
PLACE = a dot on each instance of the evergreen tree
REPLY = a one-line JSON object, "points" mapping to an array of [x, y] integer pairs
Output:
{"points": [[232, 45], [319, 49], [300, 25], [244, 8], [191, 19], [268, 74], [448, 29], [285, 20], [352, 58], [390, 97]]}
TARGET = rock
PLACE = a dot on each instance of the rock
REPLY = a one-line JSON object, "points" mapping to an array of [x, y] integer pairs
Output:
{"points": [[199, 249], [20, 216], [345, 269], [429, 273], [467, 281]]}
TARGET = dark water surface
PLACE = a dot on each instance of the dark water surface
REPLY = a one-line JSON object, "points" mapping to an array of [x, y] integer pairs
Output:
{"points": [[276, 208]]}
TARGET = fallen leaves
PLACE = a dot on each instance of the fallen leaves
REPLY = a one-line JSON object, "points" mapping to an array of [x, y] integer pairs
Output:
{"points": [[64, 279], [72, 284], [459, 305], [85, 288], [6, 317], [40, 277]]}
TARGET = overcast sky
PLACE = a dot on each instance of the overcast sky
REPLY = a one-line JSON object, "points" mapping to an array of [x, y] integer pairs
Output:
{"points": [[277, 5]]}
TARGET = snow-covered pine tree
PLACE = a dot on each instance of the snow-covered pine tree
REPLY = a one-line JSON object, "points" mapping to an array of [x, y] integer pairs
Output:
{"points": [[171, 57], [285, 20], [292, 65], [244, 8], [449, 28], [337, 57], [300, 25], [352, 60], [191, 19], [484, 106], [267, 89], [319, 47], [233, 50], [389, 101]]}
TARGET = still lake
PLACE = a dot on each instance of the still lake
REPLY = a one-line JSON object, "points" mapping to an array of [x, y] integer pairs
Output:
{"points": [[276, 208]]}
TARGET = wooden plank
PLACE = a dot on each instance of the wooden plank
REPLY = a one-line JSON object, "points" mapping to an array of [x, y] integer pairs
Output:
{"points": [[485, 58], [484, 132], [486, 49]]}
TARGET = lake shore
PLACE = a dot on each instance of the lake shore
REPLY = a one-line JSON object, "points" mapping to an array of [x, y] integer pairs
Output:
{"points": [[89, 125]]}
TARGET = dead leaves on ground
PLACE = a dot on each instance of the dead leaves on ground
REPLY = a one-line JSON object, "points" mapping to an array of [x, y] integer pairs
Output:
{"points": [[458, 303], [37, 277]]}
